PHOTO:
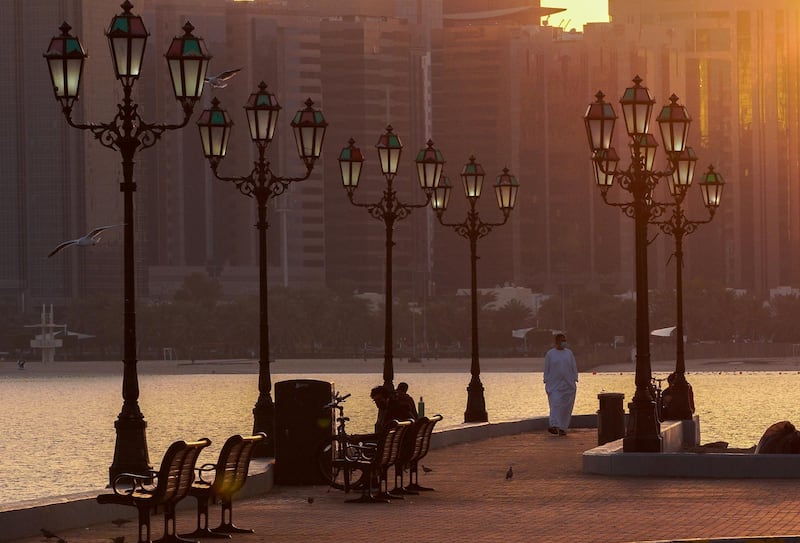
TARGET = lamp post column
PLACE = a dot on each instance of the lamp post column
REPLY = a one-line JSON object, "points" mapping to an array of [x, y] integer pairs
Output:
{"points": [[389, 209], [264, 409], [678, 226], [476, 402], [309, 130], [130, 450], [680, 406], [643, 433], [388, 347], [128, 133], [473, 228]]}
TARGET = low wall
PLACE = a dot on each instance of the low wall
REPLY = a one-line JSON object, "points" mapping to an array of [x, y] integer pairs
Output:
{"points": [[609, 459]]}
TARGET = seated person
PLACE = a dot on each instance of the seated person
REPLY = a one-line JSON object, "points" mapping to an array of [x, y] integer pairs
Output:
{"points": [[667, 410], [389, 407], [407, 408]]}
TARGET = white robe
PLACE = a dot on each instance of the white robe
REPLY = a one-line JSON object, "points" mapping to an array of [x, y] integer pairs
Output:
{"points": [[560, 383]]}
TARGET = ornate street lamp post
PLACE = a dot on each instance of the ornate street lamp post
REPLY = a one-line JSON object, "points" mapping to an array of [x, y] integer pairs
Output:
{"points": [[473, 228], [639, 180], [309, 130], [390, 209], [678, 225], [128, 133]]}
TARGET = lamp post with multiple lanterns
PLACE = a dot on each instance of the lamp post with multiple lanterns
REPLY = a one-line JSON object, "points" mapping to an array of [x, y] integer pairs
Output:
{"points": [[640, 180], [128, 133], [309, 131], [389, 209], [678, 225], [473, 228]]}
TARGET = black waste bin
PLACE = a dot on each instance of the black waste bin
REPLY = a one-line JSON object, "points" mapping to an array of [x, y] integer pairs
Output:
{"points": [[302, 425], [610, 417]]}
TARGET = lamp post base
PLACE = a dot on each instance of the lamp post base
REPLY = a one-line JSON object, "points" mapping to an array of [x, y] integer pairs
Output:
{"points": [[264, 421], [130, 450], [476, 404], [644, 431]]}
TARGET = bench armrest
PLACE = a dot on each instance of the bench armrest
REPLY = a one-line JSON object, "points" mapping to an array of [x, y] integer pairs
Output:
{"points": [[366, 451], [126, 484], [205, 468]]}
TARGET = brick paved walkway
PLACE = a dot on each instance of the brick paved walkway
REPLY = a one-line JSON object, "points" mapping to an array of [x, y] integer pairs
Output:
{"points": [[548, 500]]}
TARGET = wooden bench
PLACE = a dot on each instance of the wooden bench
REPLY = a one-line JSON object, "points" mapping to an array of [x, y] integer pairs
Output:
{"points": [[416, 443], [420, 451], [230, 475], [165, 488], [376, 464]]}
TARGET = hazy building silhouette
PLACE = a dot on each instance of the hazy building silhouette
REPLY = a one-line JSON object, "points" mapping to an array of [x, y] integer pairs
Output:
{"points": [[477, 76]]}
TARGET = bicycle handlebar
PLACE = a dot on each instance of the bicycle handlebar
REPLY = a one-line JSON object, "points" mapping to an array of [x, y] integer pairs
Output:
{"points": [[336, 401]]}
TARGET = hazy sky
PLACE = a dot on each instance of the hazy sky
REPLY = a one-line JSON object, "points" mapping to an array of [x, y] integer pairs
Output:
{"points": [[578, 12]]}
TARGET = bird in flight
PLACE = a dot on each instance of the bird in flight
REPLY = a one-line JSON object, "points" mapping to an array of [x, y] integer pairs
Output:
{"points": [[220, 81], [92, 238]]}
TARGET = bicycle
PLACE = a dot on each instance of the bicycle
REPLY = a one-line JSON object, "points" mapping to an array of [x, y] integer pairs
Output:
{"points": [[342, 446], [656, 392]]}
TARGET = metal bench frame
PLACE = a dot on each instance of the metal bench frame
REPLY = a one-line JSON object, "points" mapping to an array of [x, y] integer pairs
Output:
{"points": [[230, 475], [162, 488]]}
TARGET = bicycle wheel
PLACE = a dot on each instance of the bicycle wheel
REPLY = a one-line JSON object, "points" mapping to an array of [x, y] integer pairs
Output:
{"points": [[334, 475]]}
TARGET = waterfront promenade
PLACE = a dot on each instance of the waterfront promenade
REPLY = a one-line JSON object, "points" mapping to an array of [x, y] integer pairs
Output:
{"points": [[549, 499]]}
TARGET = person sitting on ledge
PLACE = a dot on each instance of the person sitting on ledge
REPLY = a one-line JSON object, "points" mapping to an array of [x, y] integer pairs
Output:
{"points": [[668, 409]]}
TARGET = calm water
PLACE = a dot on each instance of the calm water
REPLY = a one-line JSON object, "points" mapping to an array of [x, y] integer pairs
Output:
{"points": [[58, 435]]}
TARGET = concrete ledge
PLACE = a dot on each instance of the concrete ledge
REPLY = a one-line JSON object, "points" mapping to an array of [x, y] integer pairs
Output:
{"points": [[609, 459], [464, 433]]}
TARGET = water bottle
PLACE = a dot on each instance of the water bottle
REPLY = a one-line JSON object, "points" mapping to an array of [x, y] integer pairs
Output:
{"points": [[421, 407]]}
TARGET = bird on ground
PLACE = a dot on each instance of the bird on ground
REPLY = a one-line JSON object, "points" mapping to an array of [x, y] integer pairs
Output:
{"points": [[310, 499], [426, 469], [92, 238], [510, 473], [48, 534], [220, 81], [118, 522], [118, 539]]}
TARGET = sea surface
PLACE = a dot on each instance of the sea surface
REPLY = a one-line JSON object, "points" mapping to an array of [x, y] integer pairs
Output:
{"points": [[58, 431]]}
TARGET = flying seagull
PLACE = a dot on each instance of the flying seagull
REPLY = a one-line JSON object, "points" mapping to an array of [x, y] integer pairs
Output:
{"points": [[220, 81], [92, 238]]}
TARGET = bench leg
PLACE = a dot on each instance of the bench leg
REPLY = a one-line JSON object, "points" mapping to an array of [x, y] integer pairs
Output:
{"points": [[226, 526], [400, 488], [413, 477], [383, 484], [169, 527], [144, 524], [202, 530], [366, 494]]}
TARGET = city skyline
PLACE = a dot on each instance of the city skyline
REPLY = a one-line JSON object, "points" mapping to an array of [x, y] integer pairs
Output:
{"points": [[508, 90]]}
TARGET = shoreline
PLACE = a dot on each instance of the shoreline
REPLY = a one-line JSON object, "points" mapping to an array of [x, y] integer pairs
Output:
{"points": [[8, 368]]}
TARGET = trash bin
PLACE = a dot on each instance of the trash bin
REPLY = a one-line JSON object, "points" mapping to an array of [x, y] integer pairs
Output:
{"points": [[302, 425], [610, 417]]}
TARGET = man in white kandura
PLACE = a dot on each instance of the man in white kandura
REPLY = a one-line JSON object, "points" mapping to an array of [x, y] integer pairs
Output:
{"points": [[560, 383]]}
